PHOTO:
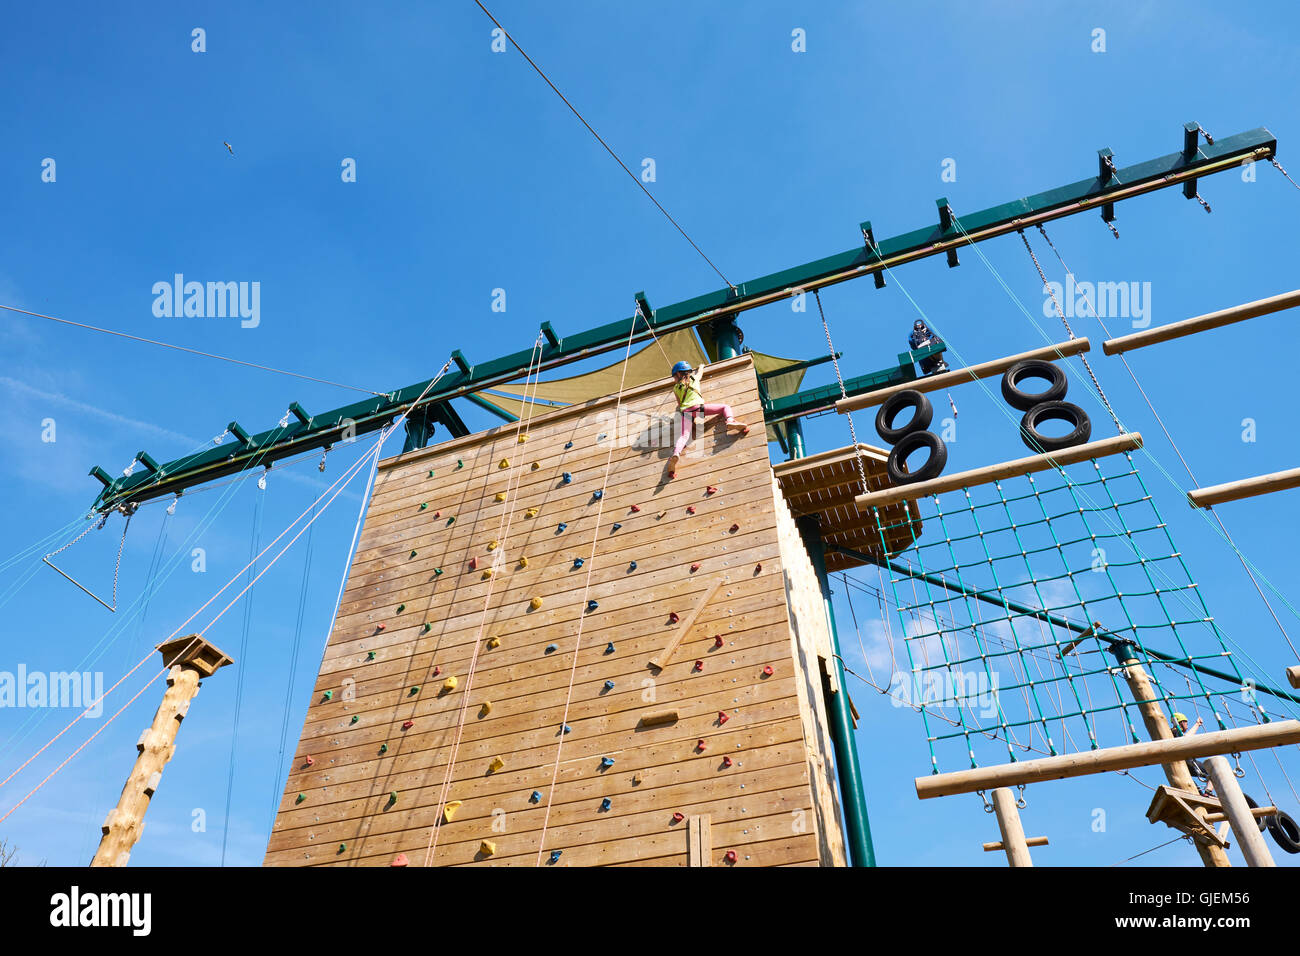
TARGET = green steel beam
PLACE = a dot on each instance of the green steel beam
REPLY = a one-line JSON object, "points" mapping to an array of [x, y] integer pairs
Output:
{"points": [[823, 398], [868, 258]]}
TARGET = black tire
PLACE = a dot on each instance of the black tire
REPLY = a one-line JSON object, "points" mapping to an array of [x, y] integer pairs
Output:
{"points": [[933, 466], [1284, 832], [1033, 368], [898, 402], [1038, 442], [1262, 821]]}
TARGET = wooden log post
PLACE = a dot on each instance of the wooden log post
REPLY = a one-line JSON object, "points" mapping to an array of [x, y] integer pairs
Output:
{"points": [[1200, 323], [1013, 834], [1158, 728], [188, 659], [1245, 488], [1293, 676], [1239, 814]]}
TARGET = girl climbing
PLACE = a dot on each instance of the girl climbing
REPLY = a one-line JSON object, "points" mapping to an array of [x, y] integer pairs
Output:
{"points": [[691, 405]]}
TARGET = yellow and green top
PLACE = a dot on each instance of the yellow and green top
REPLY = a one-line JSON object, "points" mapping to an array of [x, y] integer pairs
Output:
{"points": [[688, 392]]}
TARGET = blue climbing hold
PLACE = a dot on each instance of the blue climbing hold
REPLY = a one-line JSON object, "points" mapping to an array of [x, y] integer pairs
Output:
{"points": [[632, 566], [617, 526], [577, 562], [598, 495], [565, 477], [536, 796], [567, 728], [561, 527], [551, 648], [609, 685], [609, 648], [607, 762], [606, 803], [568, 444], [555, 855], [600, 437], [592, 605]]}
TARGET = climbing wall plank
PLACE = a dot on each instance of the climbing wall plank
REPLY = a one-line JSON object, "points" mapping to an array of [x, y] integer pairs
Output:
{"points": [[465, 646]]}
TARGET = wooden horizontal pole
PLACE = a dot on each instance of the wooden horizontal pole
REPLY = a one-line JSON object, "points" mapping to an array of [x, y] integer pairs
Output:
{"points": [[1201, 323], [1257, 812], [1246, 488], [1007, 469], [1293, 676], [931, 383], [1256, 737], [1029, 841]]}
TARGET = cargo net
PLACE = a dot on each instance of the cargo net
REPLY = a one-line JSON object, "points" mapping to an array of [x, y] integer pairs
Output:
{"points": [[1014, 602]]}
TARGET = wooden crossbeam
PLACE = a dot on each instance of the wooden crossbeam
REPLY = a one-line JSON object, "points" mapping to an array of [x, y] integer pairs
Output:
{"points": [[1029, 841], [1275, 734], [1246, 488], [1201, 323], [1007, 469]]}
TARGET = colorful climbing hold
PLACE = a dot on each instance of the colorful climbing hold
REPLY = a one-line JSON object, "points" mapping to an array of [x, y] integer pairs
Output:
{"points": [[734, 528], [309, 760], [609, 648], [767, 671], [758, 568], [717, 640], [401, 608], [328, 695], [606, 803], [598, 494], [672, 617], [617, 526], [699, 745], [414, 553], [437, 572], [370, 655], [535, 796], [731, 856], [383, 748], [392, 798], [523, 562], [600, 437], [408, 724], [504, 463], [695, 567], [487, 848], [355, 718], [496, 764], [451, 520], [459, 463], [381, 626], [592, 605], [522, 439], [534, 466], [437, 671], [301, 798], [423, 505], [690, 509], [699, 665], [535, 603], [661, 514], [552, 648], [415, 690], [555, 855], [530, 513], [568, 445], [400, 860], [494, 641], [722, 717], [726, 761], [473, 564], [343, 848], [450, 683], [565, 477], [493, 545], [485, 708], [634, 509], [500, 496], [577, 562], [609, 685], [561, 527], [678, 817], [710, 490], [449, 809], [631, 565], [485, 575], [430, 472], [427, 628], [607, 762]]}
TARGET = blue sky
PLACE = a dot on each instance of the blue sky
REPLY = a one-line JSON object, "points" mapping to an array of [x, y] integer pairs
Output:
{"points": [[472, 176]]}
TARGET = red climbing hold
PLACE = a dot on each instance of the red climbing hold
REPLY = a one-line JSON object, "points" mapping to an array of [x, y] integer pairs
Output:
{"points": [[690, 509], [380, 626], [767, 671], [726, 761], [710, 490], [699, 665], [722, 717], [437, 514], [731, 856], [308, 761], [437, 671], [694, 568], [407, 725], [678, 817], [400, 859], [758, 568], [635, 508], [473, 564], [717, 640], [672, 617], [699, 745]]}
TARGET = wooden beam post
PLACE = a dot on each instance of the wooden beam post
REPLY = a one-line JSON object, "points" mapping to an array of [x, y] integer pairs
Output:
{"points": [[1201, 323], [1293, 676], [1246, 488], [189, 659], [1240, 818], [1013, 834]]}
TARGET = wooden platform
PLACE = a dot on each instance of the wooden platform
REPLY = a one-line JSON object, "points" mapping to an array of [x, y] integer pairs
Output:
{"points": [[759, 784], [826, 484]]}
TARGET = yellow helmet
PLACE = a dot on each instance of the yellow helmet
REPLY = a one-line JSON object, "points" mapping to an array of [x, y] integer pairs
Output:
{"points": [[1179, 718]]}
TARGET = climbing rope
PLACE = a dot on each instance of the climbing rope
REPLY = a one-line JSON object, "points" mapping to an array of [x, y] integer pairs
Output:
{"points": [[128, 511], [853, 433], [276, 786]]}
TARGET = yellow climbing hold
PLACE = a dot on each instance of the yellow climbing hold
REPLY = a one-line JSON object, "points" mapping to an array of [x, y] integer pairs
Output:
{"points": [[487, 848], [522, 439], [450, 683], [494, 642], [449, 809], [496, 764], [500, 496], [485, 708], [535, 603], [534, 466], [505, 463], [523, 562], [530, 513], [493, 545], [487, 574]]}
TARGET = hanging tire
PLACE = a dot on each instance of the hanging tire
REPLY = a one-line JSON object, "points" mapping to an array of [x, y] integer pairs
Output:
{"points": [[1033, 368], [899, 402], [1064, 411], [1262, 821], [933, 466], [1284, 832]]}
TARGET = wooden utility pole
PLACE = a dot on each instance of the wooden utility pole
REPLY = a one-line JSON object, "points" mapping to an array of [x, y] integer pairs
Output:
{"points": [[1238, 812], [1179, 777], [188, 659], [1013, 834]]}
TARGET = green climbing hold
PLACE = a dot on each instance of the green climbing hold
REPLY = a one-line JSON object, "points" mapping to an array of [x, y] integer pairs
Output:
{"points": [[415, 690], [451, 520], [343, 847], [355, 718], [423, 505], [301, 798], [459, 463], [392, 798], [430, 472], [383, 748], [329, 695], [401, 608], [370, 655], [427, 627], [413, 553]]}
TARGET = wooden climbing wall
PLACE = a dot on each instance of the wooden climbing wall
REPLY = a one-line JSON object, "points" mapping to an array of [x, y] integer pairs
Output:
{"points": [[377, 744]]}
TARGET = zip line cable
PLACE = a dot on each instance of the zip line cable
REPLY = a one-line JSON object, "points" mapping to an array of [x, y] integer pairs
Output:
{"points": [[636, 179], [183, 348]]}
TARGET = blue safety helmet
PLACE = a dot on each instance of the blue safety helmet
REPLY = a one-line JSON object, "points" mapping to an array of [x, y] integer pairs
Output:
{"points": [[681, 367]]}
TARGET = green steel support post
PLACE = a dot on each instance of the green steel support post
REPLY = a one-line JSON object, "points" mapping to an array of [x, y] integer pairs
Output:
{"points": [[728, 338], [861, 852], [794, 431]]}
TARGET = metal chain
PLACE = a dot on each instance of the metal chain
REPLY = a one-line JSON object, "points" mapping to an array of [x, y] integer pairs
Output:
{"points": [[128, 510], [988, 807], [1069, 331], [1278, 167], [853, 433]]}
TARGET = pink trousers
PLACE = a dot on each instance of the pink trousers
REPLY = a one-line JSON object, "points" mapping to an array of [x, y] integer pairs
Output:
{"points": [[687, 416]]}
